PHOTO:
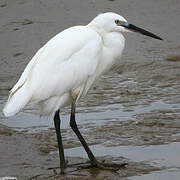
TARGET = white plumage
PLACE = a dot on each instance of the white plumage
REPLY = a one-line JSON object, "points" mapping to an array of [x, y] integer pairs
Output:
{"points": [[68, 65], [65, 67]]}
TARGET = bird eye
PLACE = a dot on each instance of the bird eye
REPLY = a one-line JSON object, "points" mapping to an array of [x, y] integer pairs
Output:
{"points": [[117, 21]]}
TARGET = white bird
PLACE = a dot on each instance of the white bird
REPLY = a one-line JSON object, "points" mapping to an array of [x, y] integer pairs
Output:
{"points": [[67, 67]]}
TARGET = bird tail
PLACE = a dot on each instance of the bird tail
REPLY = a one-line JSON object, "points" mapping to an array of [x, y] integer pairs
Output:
{"points": [[17, 100]]}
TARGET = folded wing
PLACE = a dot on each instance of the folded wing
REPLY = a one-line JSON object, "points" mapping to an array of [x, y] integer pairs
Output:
{"points": [[63, 64]]}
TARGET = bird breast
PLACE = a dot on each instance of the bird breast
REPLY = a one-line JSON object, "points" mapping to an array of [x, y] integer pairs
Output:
{"points": [[113, 45]]}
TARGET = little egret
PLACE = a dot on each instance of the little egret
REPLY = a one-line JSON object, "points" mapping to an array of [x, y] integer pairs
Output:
{"points": [[66, 68]]}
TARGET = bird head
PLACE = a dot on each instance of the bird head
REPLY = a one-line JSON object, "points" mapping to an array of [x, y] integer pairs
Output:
{"points": [[112, 22]]}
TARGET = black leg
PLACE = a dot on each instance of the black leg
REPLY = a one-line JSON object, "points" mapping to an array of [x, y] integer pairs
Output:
{"points": [[57, 122], [80, 137], [93, 161]]}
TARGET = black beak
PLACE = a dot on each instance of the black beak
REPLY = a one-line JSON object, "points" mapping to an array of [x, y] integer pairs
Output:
{"points": [[134, 28]]}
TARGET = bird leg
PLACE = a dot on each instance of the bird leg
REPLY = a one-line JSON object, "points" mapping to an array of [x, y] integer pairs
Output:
{"points": [[57, 123], [94, 162]]}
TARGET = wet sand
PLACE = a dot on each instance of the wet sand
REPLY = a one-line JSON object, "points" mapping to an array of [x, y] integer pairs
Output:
{"points": [[132, 115], [28, 156]]}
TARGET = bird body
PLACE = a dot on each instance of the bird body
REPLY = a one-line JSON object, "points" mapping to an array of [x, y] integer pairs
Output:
{"points": [[65, 67], [68, 65]]}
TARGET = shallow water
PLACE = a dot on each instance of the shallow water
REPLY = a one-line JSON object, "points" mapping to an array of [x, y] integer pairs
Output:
{"points": [[134, 110], [97, 116], [159, 155]]}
